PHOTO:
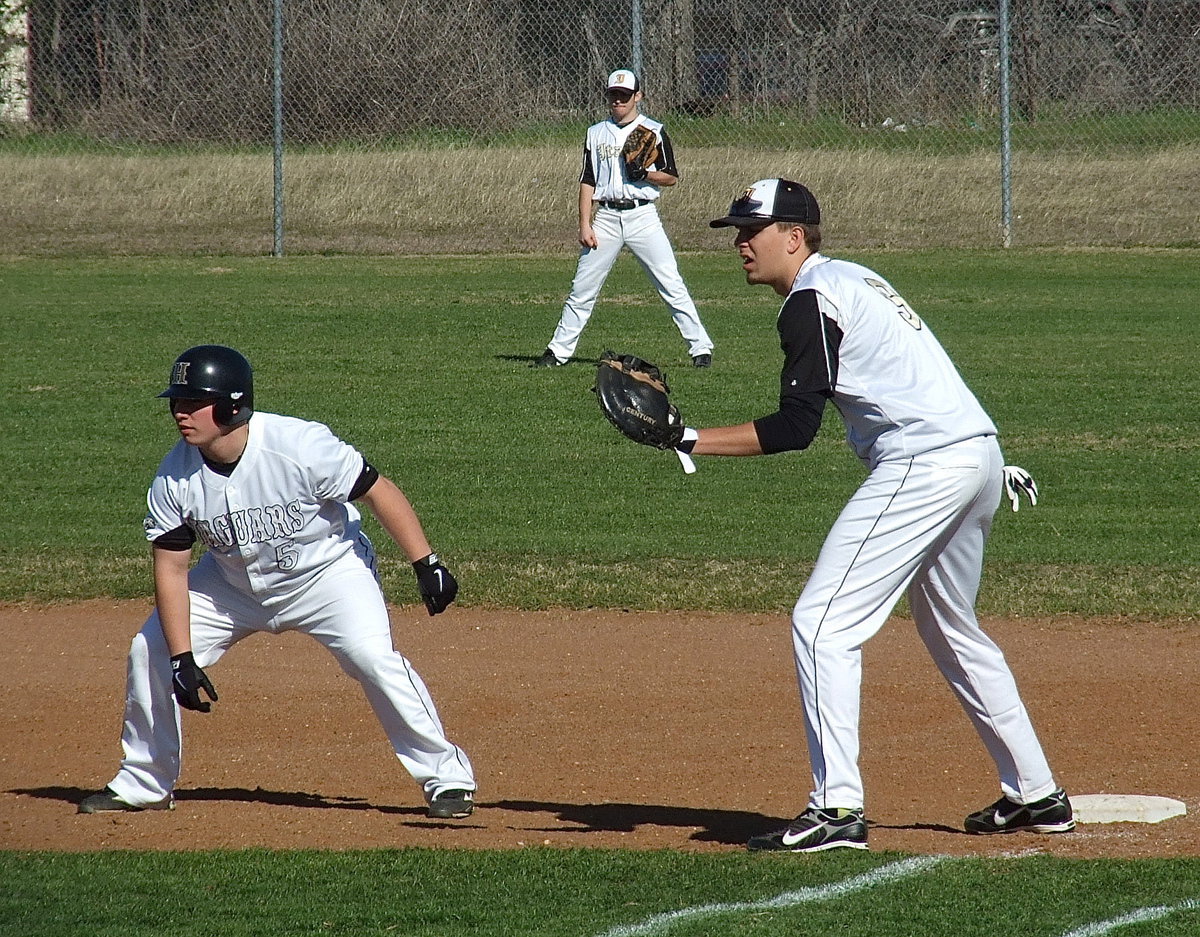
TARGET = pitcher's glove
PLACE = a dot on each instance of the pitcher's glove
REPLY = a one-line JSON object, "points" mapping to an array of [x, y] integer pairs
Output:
{"points": [[1018, 481], [639, 153], [635, 397], [437, 587]]}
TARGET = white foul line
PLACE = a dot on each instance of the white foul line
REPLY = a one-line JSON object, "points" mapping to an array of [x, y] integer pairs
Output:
{"points": [[1133, 917], [881, 876]]}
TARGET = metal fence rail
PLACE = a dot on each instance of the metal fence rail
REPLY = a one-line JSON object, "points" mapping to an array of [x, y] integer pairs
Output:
{"points": [[1091, 82]]}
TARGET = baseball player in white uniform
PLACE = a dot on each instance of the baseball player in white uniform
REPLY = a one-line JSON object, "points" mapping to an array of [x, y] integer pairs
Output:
{"points": [[625, 215], [917, 524], [270, 499]]}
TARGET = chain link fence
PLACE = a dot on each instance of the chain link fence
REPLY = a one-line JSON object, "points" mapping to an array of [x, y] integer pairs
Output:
{"points": [[146, 125]]}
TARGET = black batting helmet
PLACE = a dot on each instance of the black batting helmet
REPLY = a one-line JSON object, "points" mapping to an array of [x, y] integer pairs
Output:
{"points": [[215, 372]]}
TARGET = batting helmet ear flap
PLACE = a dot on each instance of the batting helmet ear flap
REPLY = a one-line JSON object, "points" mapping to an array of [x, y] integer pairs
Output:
{"points": [[228, 412]]}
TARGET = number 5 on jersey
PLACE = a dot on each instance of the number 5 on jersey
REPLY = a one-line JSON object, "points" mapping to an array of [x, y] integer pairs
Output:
{"points": [[905, 310], [286, 555]]}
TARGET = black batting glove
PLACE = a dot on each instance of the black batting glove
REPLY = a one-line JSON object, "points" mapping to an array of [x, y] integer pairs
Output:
{"points": [[438, 588], [187, 680]]}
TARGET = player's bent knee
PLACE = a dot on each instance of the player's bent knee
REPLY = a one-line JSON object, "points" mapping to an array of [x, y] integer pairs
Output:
{"points": [[143, 648], [367, 663], [139, 653], [805, 629]]}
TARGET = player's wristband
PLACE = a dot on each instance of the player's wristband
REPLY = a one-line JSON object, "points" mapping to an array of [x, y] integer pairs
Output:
{"points": [[683, 450], [429, 561], [688, 442]]}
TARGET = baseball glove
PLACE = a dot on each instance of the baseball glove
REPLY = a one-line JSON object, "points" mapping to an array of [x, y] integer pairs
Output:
{"points": [[635, 397], [639, 152]]}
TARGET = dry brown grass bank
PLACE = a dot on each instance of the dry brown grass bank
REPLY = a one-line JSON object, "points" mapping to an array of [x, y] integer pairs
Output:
{"points": [[522, 199]]}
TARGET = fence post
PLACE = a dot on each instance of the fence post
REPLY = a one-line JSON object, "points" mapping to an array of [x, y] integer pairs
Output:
{"points": [[635, 38], [277, 95], [1005, 127]]}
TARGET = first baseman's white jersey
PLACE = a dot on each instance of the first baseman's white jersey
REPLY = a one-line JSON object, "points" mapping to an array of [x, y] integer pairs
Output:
{"points": [[602, 160], [896, 388], [279, 519], [916, 525]]}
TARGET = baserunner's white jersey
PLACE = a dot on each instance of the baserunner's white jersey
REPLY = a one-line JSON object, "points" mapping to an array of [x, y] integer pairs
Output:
{"points": [[279, 518], [896, 389]]}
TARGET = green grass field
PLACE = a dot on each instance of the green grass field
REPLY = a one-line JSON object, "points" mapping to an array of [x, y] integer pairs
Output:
{"points": [[552, 893], [970, 130], [1086, 360]]}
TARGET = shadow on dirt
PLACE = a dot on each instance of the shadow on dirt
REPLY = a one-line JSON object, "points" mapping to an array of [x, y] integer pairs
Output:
{"points": [[730, 827], [74, 795]]}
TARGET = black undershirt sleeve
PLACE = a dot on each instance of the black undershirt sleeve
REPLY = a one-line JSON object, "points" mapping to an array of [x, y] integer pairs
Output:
{"points": [[810, 348], [181, 538], [368, 477], [587, 174], [666, 157]]}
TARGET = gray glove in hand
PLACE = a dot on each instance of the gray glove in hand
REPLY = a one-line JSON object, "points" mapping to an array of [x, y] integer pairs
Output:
{"points": [[1016, 481]]}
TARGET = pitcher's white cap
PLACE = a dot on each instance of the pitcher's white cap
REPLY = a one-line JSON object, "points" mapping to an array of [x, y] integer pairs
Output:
{"points": [[623, 79]]}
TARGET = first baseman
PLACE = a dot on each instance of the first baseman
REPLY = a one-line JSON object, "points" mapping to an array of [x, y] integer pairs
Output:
{"points": [[625, 215], [917, 524], [271, 501]]}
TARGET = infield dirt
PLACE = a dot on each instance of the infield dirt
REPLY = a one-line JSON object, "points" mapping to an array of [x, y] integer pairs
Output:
{"points": [[613, 729]]}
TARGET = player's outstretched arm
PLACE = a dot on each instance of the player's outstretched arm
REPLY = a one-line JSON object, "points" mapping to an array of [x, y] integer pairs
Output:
{"points": [[634, 396], [396, 515], [728, 440]]}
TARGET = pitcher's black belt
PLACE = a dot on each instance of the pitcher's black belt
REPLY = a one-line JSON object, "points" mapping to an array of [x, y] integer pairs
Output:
{"points": [[624, 204]]}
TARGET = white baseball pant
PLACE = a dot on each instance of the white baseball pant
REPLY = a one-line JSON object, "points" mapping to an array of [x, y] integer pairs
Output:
{"points": [[918, 523], [344, 610], [641, 230]]}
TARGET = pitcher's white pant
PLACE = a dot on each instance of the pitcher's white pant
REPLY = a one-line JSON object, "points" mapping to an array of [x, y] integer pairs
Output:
{"points": [[345, 611], [642, 232], [921, 524]]}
